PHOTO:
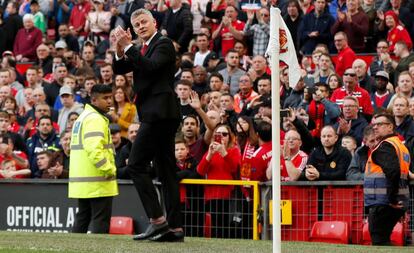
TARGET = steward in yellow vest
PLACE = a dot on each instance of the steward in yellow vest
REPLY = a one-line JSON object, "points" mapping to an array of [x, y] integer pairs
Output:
{"points": [[92, 171], [386, 192]]}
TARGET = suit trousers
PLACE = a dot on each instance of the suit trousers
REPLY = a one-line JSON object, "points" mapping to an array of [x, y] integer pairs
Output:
{"points": [[94, 211], [155, 142], [381, 220]]}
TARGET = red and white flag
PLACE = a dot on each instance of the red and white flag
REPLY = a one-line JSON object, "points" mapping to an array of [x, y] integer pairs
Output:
{"points": [[281, 41]]}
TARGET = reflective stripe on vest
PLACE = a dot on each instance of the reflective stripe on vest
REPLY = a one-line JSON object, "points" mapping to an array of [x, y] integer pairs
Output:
{"points": [[376, 183], [101, 163], [80, 146], [91, 179], [402, 191]]}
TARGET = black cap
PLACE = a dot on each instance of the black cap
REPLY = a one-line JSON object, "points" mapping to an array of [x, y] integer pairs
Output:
{"points": [[115, 128], [34, 2]]}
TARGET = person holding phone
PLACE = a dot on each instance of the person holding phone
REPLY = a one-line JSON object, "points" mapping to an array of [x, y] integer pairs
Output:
{"points": [[220, 162]]}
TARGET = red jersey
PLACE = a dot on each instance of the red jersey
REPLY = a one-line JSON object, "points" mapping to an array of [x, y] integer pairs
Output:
{"points": [[345, 59], [78, 16], [19, 154], [299, 161], [361, 94], [227, 38], [260, 162], [397, 34]]}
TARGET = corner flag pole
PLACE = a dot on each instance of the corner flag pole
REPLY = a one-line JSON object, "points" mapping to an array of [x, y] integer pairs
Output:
{"points": [[274, 31]]}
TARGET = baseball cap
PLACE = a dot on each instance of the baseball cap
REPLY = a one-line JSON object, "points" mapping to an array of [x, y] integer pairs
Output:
{"points": [[115, 128], [61, 44], [99, 1], [65, 90], [383, 74]]}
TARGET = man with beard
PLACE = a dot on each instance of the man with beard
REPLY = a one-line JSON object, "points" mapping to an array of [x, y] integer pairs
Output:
{"points": [[381, 97]]}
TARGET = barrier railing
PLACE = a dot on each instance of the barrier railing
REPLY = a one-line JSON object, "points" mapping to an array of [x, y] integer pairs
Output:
{"points": [[323, 201], [237, 200]]}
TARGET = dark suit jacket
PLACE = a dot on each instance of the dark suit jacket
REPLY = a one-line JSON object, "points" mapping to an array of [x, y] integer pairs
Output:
{"points": [[153, 79]]}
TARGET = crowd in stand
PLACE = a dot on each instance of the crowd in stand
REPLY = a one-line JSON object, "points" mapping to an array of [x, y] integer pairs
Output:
{"points": [[222, 80]]}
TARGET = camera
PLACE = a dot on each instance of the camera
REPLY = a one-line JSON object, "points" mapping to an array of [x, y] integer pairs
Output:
{"points": [[284, 113]]}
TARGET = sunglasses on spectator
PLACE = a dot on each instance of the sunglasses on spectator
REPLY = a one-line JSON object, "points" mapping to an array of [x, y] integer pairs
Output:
{"points": [[224, 134], [350, 74]]}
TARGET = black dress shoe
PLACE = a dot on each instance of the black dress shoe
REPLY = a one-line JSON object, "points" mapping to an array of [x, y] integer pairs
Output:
{"points": [[169, 236], [152, 230]]}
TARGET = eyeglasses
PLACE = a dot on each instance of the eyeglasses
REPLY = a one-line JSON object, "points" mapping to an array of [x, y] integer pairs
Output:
{"points": [[264, 15], [244, 81], [384, 47], [350, 74], [380, 123], [292, 139], [350, 106], [224, 134]]}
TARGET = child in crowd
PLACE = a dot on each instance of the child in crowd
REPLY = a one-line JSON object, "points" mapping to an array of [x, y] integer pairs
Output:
{"points": [[349, 143], [190, 195], [8, 170]]}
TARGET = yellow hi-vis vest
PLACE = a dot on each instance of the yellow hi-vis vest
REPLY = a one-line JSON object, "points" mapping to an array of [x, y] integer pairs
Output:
{"points": [[92, 171]]}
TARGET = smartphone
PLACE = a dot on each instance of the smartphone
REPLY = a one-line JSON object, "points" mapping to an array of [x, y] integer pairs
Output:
{"points": [[217, 138], [284, 113]]}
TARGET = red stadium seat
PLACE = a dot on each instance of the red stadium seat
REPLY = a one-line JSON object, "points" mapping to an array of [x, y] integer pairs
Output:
{"points": [[397, 236], [121, 225], [330, 232]]}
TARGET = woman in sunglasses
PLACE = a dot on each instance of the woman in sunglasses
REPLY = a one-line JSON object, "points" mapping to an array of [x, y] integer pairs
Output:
{"points": [[220, 162]]}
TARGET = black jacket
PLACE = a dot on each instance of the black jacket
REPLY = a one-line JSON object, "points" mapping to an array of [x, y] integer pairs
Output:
{"points": [[406, 130], [153, 79], [330, 167], [356, 169], [179, 26], [357, 128]]}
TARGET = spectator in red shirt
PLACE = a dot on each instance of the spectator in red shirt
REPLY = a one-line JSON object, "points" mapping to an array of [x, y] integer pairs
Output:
{"points": [[229, 30], [396, 31], [77, 19], [14, 164], [346, 56], [220, 162], [293, 160], [351, 88]]}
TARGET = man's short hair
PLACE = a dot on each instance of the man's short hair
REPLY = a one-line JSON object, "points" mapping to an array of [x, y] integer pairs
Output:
{"points": [[388, 116], [193, 117], [45, 117], [228, 95], [352, 98], [183, 82], [99, 89], [368, 130], [4, 115], [218, 75], [343, 34], [264, 130], [232, 51], [402, 44], [140, 12]]}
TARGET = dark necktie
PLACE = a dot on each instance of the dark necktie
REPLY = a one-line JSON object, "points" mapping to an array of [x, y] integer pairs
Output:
{"points": [[144, 49]]}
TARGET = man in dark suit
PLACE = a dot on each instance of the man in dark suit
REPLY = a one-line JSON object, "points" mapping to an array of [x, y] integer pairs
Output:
{"points": [[153, 67]]}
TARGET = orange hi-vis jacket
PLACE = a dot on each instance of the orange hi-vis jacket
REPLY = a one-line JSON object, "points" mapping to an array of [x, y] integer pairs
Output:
{"points": [[376, 183]]}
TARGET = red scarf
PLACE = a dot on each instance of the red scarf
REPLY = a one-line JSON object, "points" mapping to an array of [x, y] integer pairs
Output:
{"points": [[316, 112]]}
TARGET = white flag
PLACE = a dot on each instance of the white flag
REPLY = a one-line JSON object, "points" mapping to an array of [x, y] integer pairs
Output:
{"points": [[280, 38]]}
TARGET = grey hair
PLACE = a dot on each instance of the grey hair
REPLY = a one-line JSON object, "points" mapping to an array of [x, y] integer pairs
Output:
{"points": [[141, 12]]}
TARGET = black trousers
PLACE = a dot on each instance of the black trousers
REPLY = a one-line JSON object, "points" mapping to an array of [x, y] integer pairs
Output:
{"points": [[155, 142], [381, 220], [94, 211]]}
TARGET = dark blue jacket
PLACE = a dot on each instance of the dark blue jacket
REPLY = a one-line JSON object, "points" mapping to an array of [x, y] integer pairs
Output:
{"points": [[35, 144], [312, 23]]}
